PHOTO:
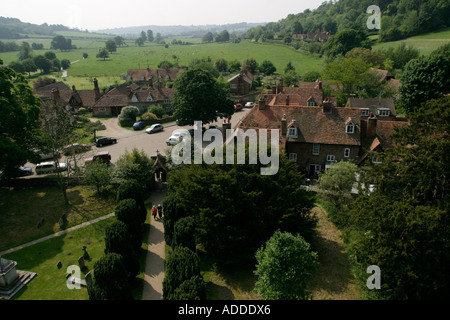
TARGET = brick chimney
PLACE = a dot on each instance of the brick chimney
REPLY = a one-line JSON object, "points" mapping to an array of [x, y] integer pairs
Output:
{"points": [[262, 104], [129, 90], [150, 82], [372, 126], [327, 106], [96, 89], [55, 93], [287, 99], [283, 126], [74, 89]]}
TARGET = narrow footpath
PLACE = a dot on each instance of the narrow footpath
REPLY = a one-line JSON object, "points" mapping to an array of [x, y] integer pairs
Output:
{"points": [[154, 263]]}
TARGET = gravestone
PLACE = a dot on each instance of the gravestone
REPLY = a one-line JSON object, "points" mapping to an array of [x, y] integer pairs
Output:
{"points": [[86, 254], [59, 265], [81, 263], [62, 223], [88, 277], [40, 223]]}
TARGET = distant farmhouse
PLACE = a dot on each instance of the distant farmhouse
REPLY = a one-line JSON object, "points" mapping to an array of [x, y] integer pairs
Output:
{"points": [[317, 36], [315, 133], [241, 87]]}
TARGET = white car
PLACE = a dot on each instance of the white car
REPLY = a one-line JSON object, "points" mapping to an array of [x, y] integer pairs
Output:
{"points": [[249, 104], [50, 167], [176, 137]]}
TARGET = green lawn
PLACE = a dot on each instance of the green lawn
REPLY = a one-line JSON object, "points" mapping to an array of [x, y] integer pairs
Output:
{"points": [[42, 258], [426, 43], [22, 209]]}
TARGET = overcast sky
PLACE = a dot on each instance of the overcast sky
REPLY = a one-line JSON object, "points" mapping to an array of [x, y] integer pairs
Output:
{"points": [[102, 14]]}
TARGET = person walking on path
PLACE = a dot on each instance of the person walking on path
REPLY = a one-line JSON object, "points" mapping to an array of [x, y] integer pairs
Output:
{"points": [[159, 207], [154, 212]]}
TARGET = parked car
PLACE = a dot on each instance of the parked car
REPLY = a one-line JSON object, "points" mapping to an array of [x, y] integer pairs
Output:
{"points": [[103, 157], [46, 155], [155, 128], [213, 126], [75, 147], [50, 167], [175, 138], [181, 122], [192, 131], [249, 104], [104, 141], [25, 171], [139, 125], [238, 106]]}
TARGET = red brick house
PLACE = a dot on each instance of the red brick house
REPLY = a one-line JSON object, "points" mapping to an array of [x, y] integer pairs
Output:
{"points": [[157, 75], [142, 95]]}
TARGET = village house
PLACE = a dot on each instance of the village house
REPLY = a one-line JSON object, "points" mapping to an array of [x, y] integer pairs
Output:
{"points": [[157, 75], [71, 99], [143, 95], [241, 86], [315, 133]]}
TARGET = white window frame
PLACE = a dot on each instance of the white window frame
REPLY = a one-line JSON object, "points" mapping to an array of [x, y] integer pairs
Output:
{"points": [[331, 158], [293, 157], [376, 159], [150, 98], [166, 101], [233, 86], [352, 126], [347, 153], [102, 109], [316, 149], [311, 104], [365, 112], [384, 112], [293, 133], [317, 167]]}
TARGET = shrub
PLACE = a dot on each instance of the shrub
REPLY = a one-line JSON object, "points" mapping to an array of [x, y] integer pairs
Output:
{"points": [[118, 240], [183, 235], [158, 111], [192, 289], [148, 116], [128, 116], [109, 282], [130, 189], [127, 212], [181, 265]]}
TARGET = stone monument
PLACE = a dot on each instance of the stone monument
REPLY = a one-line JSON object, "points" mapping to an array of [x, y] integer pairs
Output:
{"points": [[12, 280]]}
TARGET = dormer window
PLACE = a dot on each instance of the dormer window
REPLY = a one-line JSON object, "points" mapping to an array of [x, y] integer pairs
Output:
{"points": [[384, 112], [142, 78], [167, 78], [292, 130], [365, 112], [311, 103], [350, 128], [150, 98], [134, 98]]}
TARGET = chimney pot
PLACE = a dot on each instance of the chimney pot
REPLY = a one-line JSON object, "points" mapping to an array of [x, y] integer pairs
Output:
{"points": [[283, 125]]}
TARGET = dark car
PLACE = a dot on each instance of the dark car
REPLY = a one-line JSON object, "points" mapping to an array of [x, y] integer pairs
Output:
{"points": [[100, 142], [102, 157], [139, 125], [181, 122]]}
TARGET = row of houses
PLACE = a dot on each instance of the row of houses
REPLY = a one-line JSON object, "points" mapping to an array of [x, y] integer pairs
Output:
{"points": [[316, 133]]}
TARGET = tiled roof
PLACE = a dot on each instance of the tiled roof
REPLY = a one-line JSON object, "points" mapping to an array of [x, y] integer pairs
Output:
{"points": [[372, 104], [154, 74], [113, 100], [295, 96], [313, 125]]}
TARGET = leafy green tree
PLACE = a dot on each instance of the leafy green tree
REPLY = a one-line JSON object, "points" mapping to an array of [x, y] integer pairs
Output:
{"points": [[250, 64], [59, 42], [109, 282], [291, 78], [135, 165], [401, 55], [44, 64], [165, 65], [199, 97], [158, 111], [267, 67], [127, 211], [285, 265], [144, 36], [97, 174], [131, 189], [19, 115], [221, 64], [336, 183], [128, 115], [402, 226], [373, 58], [118, 240], [182, 264], [119, 40], [111, 46], [17, 66], [29, 66], [139, 41], [85, 55], [184, 230], [103, 53], [192, 289], [346, 40], [50, 55], [223, 36], [25, 51], [234, 211], [208, 37], [311, 76], [150, 37], [425, 78], [65, 64], [289, 67]]}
